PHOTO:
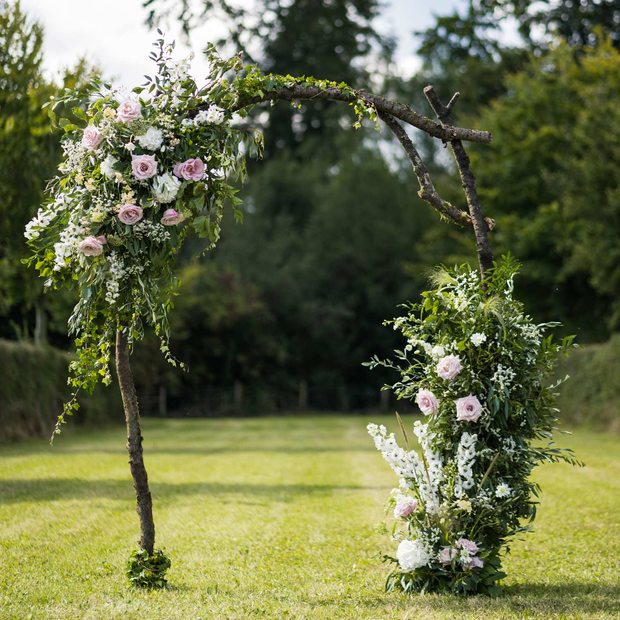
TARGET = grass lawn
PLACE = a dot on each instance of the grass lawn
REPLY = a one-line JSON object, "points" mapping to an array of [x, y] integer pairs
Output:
{"points": [[274, 518]]}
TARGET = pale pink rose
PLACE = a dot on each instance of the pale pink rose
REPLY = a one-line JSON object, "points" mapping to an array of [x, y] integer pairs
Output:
{"points": [[92, 138], [128, 111], [470, 545], [90, 246], [427, 401], [448, 367], [144, 166], [476, 563], [130, 214], [102, 240], [447, 555], [171, 217], [190, 170], [468, 409], [405, 509]]}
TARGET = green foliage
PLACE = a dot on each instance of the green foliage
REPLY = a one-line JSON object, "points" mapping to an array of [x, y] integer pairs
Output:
{"points": [[592, 396], [147, 571], [551, 181], [470, 350], [289, 534], [33, 384]]}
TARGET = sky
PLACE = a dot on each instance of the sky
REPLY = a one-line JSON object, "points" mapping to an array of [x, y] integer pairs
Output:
{"points": [[112, 34]]}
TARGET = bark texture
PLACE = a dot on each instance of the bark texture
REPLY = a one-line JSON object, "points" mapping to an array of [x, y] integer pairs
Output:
{"points": [[427, 189], [144, 504], [468, 181], [381, 104]]}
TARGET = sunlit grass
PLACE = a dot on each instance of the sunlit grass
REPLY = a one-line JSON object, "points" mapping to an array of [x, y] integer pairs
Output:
{"points": [[274, 518]]}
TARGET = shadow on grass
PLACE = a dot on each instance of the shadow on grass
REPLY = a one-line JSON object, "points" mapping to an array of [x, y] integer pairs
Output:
{"points": [[535, 598], [52, 489], [186, 451]]}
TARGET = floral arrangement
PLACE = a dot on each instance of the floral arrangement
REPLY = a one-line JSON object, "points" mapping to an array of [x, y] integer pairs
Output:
{"points": [[478, 368], [141, 171]]}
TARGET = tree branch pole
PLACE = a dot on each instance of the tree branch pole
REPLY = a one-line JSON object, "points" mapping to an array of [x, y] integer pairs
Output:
{"points": [[144, 504], [381, 104], [468, 181], [388, 111]]}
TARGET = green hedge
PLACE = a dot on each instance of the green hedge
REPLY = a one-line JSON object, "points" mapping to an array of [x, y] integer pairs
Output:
{"points": [[592, 394], [33, 388]]}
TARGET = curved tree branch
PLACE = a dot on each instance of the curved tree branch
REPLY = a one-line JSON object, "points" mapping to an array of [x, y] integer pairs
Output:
{"points": [[381, 104], [468, 181], [427, 189]]}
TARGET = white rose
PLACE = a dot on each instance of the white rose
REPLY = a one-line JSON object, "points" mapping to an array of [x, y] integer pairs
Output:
{"points": [[152, 139], [107, 167], [165, 188], [412, 554]]}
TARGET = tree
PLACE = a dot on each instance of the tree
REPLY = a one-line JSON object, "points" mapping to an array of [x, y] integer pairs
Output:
{"points": [[552, 180], [29, 155]]}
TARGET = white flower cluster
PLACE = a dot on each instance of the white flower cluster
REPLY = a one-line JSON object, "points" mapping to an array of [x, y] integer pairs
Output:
{"points": [[478, 339], [115, 274], [412, 554], [430, 474], [503, 490], [152, 139], [435, 352], [465, 457], [41, 220], [405, 464], [64, 249], [503, 378], [151, 230], [74, 153]]}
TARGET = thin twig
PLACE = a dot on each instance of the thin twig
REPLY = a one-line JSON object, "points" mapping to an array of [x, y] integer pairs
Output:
{"points": [[402, 429], [486, 473]]}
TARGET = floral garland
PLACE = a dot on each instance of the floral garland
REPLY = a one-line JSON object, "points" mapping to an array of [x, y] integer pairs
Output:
{"points": [[142, 170], [478, 368]]}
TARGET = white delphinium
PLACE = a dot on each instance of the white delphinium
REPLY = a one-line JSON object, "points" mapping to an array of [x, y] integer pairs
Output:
{"points": [[503, 490], [465, 457], [115, 275], [152, 139], [165, 187], [437, 352], [431, 475], [478, 339], [66, 247], [405, 464], [107, 167], [412, 554], [41, 220]]}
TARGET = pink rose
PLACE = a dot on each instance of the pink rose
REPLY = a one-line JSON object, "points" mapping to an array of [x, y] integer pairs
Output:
{"points": [[476, 563], [448, 367], [102, 240], [128, 111], [91, 246], [447, 555], [427, 402], [130, 214], [190, 170], [405, 509], [171, 217], [470, 545], [144, 166], [468, 409], [92, 138]]}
